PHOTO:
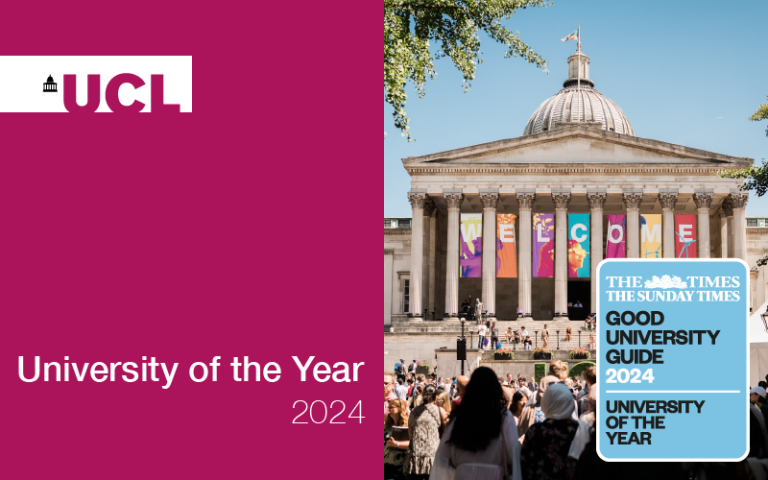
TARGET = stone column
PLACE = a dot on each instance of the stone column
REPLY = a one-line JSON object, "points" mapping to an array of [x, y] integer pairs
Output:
{"points": [[389, 271], [759, 296], [703, 200], [561, 200], [632, 201], [429, 208], [524, 269], [431, 305], [417, 199], [453, 201], [490, 201], [596, 203], [668, 201], [739, 200], [727, 232]]}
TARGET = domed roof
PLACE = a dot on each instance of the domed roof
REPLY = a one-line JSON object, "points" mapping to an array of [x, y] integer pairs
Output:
{"points": [[579, 101], [50, 79]]}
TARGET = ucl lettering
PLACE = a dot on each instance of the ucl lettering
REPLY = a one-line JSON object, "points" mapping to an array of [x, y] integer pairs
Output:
{"points": [[111, 96]]}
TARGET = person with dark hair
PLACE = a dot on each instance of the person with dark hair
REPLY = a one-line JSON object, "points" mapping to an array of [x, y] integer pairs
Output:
{"points": [[424, 426], [479, 442], [519, 399], [401, 391]]}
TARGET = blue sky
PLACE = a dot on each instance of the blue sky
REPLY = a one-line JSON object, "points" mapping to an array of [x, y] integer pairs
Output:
{"points": [[673, 68]]}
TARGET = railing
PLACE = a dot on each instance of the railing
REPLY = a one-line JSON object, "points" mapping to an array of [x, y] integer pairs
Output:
{"points": [[535, 336]]}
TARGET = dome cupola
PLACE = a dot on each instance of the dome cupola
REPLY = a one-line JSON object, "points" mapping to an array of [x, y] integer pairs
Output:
{"points": [[579, 101]]}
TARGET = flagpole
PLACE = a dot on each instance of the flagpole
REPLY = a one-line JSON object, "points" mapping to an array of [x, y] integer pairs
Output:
{"points": [[578, 80]]}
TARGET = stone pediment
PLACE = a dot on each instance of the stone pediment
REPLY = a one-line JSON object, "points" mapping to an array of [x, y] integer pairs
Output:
{"points": [[578, 144]]}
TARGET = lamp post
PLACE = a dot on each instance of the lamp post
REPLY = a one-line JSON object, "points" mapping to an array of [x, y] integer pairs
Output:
{"points": [[764, 317], [558, 339], [462, 346]]}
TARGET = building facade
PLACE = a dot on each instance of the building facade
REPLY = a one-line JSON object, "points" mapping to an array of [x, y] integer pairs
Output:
{"points": [[578, 155]]}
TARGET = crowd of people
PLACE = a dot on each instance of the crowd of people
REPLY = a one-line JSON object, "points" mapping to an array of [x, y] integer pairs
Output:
{"points": [[482, 426], [486, 427]]}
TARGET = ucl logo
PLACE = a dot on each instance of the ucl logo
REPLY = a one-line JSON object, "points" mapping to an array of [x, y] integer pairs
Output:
{"points": [[111, 97]]}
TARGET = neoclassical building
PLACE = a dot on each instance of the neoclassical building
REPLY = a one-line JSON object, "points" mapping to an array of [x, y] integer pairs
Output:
{"points": [[578, 154]]}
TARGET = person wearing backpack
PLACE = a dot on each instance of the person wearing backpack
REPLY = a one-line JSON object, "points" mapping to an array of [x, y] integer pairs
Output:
{"points": [[412, 368], [400, 370]]}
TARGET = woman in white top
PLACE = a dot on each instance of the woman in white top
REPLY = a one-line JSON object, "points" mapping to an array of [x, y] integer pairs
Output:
{"points": [[481, 335], [480, 441]]}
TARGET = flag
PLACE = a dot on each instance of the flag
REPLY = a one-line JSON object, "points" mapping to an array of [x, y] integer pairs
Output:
{"points": [[574, 35]]}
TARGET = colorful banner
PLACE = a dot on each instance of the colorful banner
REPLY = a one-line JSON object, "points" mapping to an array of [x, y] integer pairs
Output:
{"points": [[470, 257], [506, 240], [685, 236], [578, 245], [543, 261], [616, 245], [650, 236]]}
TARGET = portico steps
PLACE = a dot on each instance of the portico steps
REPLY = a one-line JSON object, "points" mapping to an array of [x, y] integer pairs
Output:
{"points": [[534, 327]]}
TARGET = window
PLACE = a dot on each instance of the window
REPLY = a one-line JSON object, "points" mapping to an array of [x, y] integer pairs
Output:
{"points": [[751, 222], [404, 223], [406, 292], [387, 223]]}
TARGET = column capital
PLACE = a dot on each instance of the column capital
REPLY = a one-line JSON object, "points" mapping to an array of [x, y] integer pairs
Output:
{"points": [[453, 199], [525, 200], [727, 207], [703, 200], [739, 199], [632, 199], [561, 199], [596, 200], [489, 199], [418, 199], [668, 200], [429, 207]]}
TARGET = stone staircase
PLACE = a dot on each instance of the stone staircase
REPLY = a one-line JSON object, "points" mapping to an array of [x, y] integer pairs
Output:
{"points": [[534, 328], [556, 329]]}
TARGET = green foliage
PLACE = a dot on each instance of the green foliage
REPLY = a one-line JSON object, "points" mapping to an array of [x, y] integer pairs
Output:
{"points": [[756, 177], [580, 367], [539, 370], [761, 114], [453, 27]]}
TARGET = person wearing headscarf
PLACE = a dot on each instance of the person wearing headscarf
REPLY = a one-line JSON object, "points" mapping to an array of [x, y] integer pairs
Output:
{"points": [[544, 454], [532, 412], [479, 442]]}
